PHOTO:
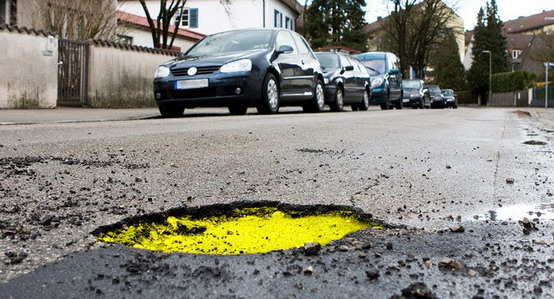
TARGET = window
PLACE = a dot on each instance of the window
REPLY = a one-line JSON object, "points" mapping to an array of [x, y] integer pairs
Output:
{"points": [[8, 12], [188, 18], [125, 39], [278, 22], [303, 48], [516, 54], [285, 39], [288, 23]]}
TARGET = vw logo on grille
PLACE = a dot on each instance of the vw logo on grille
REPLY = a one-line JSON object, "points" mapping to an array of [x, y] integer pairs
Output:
{"points": [[192, 71]]}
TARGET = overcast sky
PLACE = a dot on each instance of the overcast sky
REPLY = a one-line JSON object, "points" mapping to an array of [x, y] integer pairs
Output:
{"points": [[468, 9]]}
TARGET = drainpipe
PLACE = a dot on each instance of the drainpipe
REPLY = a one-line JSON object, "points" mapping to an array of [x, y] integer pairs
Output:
{"points": [[263, 13]]}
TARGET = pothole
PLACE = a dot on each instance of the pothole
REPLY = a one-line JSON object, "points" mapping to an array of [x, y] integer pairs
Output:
{"points": [[543, 211], [242, 228], [535, 142]]}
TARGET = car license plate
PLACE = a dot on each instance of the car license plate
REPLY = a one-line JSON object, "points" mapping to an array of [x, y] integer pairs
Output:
{"points": [[191, 84], [406, 100]]}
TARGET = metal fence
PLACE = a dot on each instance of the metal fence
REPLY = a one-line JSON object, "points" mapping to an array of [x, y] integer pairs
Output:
{"points": [[72, 73]]}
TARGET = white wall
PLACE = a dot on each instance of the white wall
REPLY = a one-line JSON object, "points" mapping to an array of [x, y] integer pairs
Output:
{"points": [[120, 77], [28, 77], [213, 16], [144, 38]]}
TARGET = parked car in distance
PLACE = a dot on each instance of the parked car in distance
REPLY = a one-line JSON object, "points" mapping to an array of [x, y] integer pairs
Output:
{"points": [[451, 98], [413, 94], [386, 80], [346, 79], [262, 68], [436, 100]]}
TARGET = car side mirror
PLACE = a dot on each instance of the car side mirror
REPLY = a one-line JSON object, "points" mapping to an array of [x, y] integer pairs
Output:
{"points": [[349, 68], [285, 49], [394, 72]]}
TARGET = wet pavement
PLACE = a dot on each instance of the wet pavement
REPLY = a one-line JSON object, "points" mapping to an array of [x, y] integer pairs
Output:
{"points": [[453, 186]]}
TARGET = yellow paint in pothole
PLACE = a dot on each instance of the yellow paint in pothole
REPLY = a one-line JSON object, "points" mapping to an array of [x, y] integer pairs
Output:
{"points": [[246, 230]]}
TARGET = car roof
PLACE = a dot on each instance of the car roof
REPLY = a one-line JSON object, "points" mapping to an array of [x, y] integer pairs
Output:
{"points": [[256, 29], [373, 55]]}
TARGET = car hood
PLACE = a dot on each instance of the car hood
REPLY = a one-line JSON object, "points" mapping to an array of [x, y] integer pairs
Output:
{"points": [[210, 60]]}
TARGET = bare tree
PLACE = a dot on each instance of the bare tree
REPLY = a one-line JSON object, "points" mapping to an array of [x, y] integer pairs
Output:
{"points": [[162, 37], [76, 19], [415, 28]]}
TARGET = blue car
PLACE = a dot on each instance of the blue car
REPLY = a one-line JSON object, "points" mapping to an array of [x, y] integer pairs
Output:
{"points": [[262, 68], [386, 80]]}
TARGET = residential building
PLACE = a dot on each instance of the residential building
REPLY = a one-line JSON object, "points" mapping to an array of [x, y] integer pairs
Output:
{"points": [[522, 39], [135, 30], [212, 16]]}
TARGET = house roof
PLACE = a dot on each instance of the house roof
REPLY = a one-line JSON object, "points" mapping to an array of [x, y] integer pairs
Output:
{"points": [[536, 21], [142, 22], [294, 5], [519, 41]]}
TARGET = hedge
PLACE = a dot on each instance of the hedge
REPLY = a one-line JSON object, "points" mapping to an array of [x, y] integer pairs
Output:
{"points": [[466, 98], [513, 81]]}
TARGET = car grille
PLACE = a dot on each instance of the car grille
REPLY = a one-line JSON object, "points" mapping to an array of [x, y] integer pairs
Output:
{"points": [[210, 92], [203, 70]]}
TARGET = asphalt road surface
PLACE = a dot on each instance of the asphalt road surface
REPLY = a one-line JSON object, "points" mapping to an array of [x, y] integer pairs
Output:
{"points": [[427, 175]]}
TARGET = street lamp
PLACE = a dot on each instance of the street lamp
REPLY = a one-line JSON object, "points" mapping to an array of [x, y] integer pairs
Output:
{"points": [[490, 75]]}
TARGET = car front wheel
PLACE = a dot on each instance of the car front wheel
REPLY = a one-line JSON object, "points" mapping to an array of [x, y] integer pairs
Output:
{"points": [[171, 110], [338, 101], [318, 101], [364, 105], [270, 96]]}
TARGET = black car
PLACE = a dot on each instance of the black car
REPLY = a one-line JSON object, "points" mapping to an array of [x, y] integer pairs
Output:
{"points": [[386, 79], [413, 94], [436, 100], [262, 68], [451, 98], [347, 81]]}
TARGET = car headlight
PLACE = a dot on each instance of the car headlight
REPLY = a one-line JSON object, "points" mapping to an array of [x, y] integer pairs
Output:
{"points": [[414, 95], [243, 65], [162, 72], [376, 82], [326, 80]]}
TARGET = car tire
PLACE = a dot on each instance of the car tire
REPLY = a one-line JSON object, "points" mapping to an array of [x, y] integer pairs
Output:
{"points": [[171, 110], [270, 100], [398, 104], [238, 109], [455, 106], [338, 102], [422, 103], [364, 105], [318, 101]]}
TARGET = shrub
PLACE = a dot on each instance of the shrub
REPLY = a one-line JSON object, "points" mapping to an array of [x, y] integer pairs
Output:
{"points": [[514, 81]]}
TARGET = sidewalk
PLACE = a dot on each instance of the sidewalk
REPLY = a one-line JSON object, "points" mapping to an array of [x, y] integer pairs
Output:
{"points": [[70, 115]]}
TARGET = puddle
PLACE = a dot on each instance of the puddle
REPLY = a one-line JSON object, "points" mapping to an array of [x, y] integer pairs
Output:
{"points": [[535, 142], [232, 230], [518, 212]]}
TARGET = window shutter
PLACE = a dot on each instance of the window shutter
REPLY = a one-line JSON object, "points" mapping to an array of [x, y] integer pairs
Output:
{"points": [[276, 16], [193, 17]]}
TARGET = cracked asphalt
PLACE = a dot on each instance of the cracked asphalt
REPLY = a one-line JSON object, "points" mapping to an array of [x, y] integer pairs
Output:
{"points": [[445, 182]]}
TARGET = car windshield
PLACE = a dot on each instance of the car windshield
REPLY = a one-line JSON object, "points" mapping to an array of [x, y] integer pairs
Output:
{"points": [[434, 89], [447, 92], [375, 67], [231, 42], [411, 84], [328, 60]]}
